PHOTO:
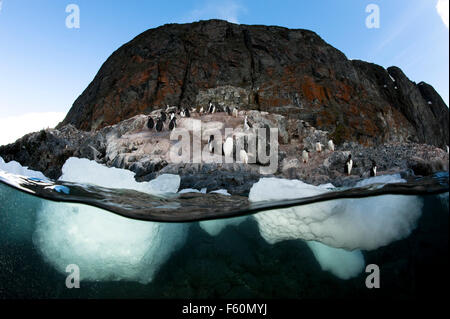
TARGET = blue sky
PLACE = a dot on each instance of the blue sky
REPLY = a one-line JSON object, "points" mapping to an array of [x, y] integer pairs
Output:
{"points": [[44, 66]]}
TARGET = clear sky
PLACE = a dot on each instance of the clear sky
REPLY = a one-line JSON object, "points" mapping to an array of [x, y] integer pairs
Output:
{"points": [[45, 66]]}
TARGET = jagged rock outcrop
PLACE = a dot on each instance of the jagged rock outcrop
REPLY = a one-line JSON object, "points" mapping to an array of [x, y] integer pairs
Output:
{"points": [[290, 72]]}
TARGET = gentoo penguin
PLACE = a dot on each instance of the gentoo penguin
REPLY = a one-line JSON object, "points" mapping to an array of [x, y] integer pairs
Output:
{"points": [[348, 165], [235, 112], [244, 157], [331, 145], [305, 155], [182, 113], [159, 124], [227, 109], [187, 113], [247, 124], [373, 170], [173, 123], [318, 147], [150, 123], [211, 144], [228, 147], [163, 116]]}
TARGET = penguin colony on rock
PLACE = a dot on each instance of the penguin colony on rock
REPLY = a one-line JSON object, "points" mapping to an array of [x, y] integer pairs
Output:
{"points": [[227, 147]]}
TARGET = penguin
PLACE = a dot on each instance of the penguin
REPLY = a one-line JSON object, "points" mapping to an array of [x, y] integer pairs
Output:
{"points": [[159, 124], [212, 108], [187, 113], [305, 155], [247, 124], [173, 123], [227, 109], [331, 145], [209, 106], [182, 113], [244, 157], [163, 116], [201, 110], [235, 112], [211, 144], [193, 110], [348, 165], [150, 123], [447, 148], [228, 147], [318, 147], [373, 170]]}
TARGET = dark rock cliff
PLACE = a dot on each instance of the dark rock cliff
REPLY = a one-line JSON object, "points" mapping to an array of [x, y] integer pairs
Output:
{"points": [[267, 68]]}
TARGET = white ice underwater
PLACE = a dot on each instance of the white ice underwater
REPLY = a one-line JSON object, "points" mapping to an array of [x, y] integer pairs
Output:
{"points": [[106, 246], [335, 230], [109, 247]]}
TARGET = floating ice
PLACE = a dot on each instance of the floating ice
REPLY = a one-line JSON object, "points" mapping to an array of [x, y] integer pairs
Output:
{"points": [[366, 223], [81, 170], [381, 179], [342, 263], [106, 246], [221, 191], [14, 167], [215, 226]]}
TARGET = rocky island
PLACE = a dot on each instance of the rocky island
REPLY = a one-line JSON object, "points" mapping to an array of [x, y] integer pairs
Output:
{"points": [[282, 78]]}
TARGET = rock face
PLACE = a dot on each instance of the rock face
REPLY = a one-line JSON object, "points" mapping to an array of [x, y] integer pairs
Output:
{"points": [[290, 72]]}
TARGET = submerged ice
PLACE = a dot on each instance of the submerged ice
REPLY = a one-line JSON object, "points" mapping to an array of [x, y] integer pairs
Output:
{"points": [[336, 230], [106, 246], [366, 223]]}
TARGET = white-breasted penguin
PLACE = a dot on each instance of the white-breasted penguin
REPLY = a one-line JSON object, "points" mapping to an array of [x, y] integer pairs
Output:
{"points": [[235, 112], [228, 147], [373, 169], [305, 155], [348, 165], [247, 124], [159, 124], [318, 147], [331, 145], [243, 156]]}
